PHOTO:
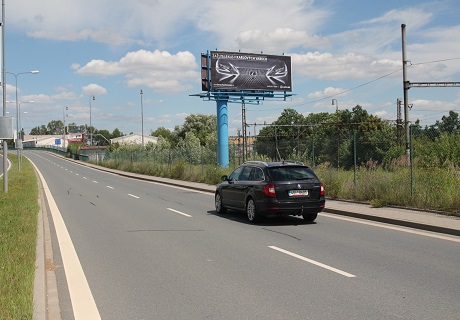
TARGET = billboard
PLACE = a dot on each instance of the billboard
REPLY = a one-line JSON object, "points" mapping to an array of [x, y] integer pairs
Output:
{"points": [[247, 71]]}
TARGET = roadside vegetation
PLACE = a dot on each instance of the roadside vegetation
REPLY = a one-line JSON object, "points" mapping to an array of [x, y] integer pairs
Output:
{"points": [[18, 239], [358, 156]]}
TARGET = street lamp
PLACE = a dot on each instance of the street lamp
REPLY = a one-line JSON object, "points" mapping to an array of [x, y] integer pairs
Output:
{"points": [[19, 117], [18, 139], [142, 119], [90, 126], [19, 129], [63, 131], [336, 104]]}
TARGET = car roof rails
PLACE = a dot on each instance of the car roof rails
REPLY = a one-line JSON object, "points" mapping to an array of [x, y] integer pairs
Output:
{"points": [[292, 161], [256, 162]]}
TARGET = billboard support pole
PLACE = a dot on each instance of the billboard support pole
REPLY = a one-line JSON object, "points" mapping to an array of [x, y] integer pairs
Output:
{"points": [[222, 133]]}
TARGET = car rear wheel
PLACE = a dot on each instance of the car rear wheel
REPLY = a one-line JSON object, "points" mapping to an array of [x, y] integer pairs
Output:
{"points": [[251, 210], [219, 206], [310, 217]]}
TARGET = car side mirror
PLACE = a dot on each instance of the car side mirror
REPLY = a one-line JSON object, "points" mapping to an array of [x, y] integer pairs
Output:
{"points": [[224, 178]]}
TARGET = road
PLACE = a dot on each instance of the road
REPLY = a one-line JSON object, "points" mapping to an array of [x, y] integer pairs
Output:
{"points": [[151, 251]]}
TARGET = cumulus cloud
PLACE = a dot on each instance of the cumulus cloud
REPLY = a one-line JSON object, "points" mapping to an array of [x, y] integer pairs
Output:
{"points": [[94, 90], [159, 70], [327, 92], [258, 25], [328, 66]]}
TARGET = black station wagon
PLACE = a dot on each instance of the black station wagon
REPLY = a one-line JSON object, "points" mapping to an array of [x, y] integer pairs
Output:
{"points": [[271, 188]]}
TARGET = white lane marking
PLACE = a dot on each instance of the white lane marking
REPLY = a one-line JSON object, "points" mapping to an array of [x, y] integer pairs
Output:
{"points": [[109, 187], [319, 264], [132, 195], [95, 181], [392, 227], [180, 188], [85, 178], [184, 214], [83, 304]]}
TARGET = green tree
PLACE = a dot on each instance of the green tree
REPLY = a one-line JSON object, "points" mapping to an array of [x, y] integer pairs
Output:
{"points": [[55, 127], [278, 140], [449, 123], [165, 134], [200, 125], [116, 133], [39, 130]]}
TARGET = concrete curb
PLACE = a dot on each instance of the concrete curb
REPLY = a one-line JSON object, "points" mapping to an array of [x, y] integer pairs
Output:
{"points": [[403, 223]]}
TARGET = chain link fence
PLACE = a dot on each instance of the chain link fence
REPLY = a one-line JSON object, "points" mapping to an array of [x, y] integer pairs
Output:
{"points": [[360, 161]]}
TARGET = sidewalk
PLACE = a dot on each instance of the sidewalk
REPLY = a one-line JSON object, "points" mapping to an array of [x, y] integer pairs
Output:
{"points": [[424, 220]]}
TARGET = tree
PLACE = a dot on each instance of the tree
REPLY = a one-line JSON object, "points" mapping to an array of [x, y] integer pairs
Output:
{"points": [[39, 130], [55, 127], [165, 134], [278, 140], [116, 133], [200, 125], [449, 123]]}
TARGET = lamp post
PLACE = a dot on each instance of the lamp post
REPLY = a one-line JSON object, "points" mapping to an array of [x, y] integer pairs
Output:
{"points": [[5, 145], [18, 139], [90, 126], [142, 119], [63, 120]]}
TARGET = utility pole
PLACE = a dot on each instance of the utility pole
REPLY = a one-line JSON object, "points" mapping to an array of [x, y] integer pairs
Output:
{"points": [[406, 87], [398, 121], [243, 127], [5, 145]]}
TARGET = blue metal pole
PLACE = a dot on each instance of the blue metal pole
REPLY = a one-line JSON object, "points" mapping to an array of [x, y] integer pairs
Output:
{"points": [[222, 133]]}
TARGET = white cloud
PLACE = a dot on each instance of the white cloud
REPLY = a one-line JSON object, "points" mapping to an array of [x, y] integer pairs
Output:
{"points": [[159, 70], [327, 92], [94, 90], [271, 41]]}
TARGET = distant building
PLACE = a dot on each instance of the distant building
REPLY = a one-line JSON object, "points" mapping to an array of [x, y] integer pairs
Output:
{"points": [[134, 139], [32, 141]]}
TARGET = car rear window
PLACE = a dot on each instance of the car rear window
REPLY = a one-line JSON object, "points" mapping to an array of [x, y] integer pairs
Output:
{"points": [[286, 173]]}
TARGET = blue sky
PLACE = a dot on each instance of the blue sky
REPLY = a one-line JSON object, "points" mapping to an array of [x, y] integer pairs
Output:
{"points": [[340, 49]]}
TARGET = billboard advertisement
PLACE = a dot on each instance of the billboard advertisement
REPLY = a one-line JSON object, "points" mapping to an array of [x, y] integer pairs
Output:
{"points": [[247, 71]]}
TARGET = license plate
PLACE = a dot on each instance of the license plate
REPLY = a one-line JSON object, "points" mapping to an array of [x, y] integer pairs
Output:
{"points": [[298, 193]]}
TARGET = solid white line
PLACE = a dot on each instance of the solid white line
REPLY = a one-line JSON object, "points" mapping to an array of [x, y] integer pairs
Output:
{"points": [[83, 304], [319, 264], [132, 195], [184, 214], [396, 228]]}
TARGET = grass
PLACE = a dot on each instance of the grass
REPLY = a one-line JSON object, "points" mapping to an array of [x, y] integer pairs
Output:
{"points": [[431, 188], [18, 237]]}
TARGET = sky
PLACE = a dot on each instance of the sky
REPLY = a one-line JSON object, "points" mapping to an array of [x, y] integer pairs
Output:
{"points": [[347, 50]]}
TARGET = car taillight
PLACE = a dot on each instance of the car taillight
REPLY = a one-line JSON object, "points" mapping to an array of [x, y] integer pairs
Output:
{"points": [[269, 190], [322, 192]]}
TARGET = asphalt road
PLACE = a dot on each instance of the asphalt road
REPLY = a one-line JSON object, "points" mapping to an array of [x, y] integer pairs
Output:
{"points": [[150, 251]]}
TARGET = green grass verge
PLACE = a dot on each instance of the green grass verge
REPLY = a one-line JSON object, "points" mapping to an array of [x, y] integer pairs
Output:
{"points": [[18, 236], [431, 188]]}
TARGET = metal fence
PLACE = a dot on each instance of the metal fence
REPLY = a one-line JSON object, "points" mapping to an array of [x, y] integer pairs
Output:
{"points": [[356, 161]]}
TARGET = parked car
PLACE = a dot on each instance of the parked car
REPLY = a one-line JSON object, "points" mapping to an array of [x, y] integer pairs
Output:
{"points": [[271, 188]]}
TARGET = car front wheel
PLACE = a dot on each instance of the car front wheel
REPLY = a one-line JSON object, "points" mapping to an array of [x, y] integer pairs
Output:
{"points": [[219, 206], [251, 210]]}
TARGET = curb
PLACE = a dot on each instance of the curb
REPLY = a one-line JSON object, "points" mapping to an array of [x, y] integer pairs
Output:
{"points": [[403, 223]]}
